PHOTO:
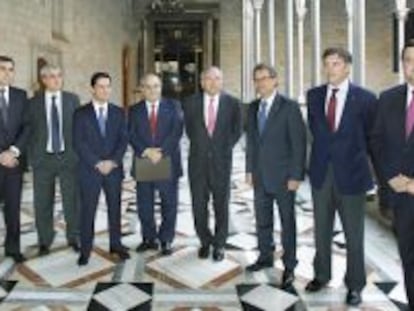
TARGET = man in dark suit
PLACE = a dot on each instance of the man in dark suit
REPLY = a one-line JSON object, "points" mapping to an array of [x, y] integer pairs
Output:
{"points": [[275, 162], [393, 146], [213, 126], [100, 139], [340, 116], [155, 129], [52, 156], [14, 132]]}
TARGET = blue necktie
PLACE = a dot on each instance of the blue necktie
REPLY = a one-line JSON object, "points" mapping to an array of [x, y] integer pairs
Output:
{"points": [[261, 117], [56, 143], [101, 120]]}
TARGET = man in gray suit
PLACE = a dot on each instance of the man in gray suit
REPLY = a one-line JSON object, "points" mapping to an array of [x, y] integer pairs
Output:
{"points": [[52, 157], [276, 148]]}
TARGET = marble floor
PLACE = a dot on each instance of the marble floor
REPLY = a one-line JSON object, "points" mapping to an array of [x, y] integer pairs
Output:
{"points": [[182, 281]]}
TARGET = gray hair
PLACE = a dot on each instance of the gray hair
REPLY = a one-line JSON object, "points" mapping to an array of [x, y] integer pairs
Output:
{"points": [[48, 69], [211, 68]]}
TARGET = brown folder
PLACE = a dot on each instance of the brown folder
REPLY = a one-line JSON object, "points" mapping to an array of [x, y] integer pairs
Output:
{"points": [[145, 170]]}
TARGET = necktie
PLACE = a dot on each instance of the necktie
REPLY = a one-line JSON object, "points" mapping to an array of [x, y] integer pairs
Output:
{"points": [[409, 118], [102, 121], [261, 118], [56, 143], [153, 120], [331, 115], [211, 117], [3, 106]]}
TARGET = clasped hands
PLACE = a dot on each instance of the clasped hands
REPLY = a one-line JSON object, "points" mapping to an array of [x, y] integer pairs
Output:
{"points": [[154, 154], [8, 159], [292, 185], [105, 166], [402, 183]]}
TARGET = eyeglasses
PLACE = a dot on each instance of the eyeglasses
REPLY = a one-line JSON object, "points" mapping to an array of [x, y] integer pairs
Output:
{"points": [[262, 79]]}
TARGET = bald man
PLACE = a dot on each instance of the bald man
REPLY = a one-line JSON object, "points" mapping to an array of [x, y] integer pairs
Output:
{"points": [[155, 129], [213, 126]]}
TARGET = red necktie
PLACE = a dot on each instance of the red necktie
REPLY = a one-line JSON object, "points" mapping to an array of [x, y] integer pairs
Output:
{"points": [[153, 120], [409, 118], [331, 115], [211, 117]]}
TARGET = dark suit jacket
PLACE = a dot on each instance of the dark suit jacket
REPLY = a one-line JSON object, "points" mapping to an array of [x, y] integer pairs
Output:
{"points": [[16, 133], [277, 155], [346, 149], [217, 148], [39, 128], [168, 133], [91, 147], [394, 154]]}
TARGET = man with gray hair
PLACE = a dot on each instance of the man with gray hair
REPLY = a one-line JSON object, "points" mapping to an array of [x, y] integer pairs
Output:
{"points": [[52, 157], [213, 124]]}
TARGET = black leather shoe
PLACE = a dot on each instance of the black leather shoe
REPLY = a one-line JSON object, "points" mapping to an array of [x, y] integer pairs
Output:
{"points": [[204, 251], [147, 245], [218, 254], [287, 278], [353, 298], [83, 260], [122, 252], [314, 286], [75, 246], [166, 248], [259, 265], [43, 250], [18, 257]]}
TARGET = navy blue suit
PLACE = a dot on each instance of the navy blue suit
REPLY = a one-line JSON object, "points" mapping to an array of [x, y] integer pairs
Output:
{"points": [[394, 155], [91, 147], [274, 157], [168, 133], [340, 175], [14, 133]]}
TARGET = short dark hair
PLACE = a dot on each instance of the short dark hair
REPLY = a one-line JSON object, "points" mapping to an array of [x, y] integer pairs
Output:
{"points": [[99, 75], [6, 59], [262, 66], [408, 44], [341, 52]]}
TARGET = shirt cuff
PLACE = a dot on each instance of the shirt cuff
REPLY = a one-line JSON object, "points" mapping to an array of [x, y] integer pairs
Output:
{"points": [[15, 150]]}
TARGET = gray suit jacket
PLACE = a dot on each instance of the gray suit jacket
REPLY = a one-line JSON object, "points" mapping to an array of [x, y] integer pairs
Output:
{"points": [[39, 130], [279, 153]]}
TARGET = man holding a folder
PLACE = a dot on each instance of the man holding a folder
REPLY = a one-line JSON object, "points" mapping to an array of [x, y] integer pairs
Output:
{"points": [[155, 129]]}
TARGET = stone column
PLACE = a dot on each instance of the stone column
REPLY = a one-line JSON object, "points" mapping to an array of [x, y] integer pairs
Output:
{"points": [[402, 11], [301, 13]]}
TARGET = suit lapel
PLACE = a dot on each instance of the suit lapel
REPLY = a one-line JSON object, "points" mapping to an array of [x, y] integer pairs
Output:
{"points": [[272, 113], [220, 114], [94, 120], [161, 117], [320, 103], [348, 106], [200, 113]]}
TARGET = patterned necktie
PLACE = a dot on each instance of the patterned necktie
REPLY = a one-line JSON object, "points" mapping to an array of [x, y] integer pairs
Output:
{"points": [[56, 143], [3, 106], [331, 115], [102, 121], [261, 117], [153, 120], [211, 117], [409, 118]]}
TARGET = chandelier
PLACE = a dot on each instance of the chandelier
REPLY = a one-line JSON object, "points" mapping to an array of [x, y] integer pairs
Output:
{"points": [[166, 7]]}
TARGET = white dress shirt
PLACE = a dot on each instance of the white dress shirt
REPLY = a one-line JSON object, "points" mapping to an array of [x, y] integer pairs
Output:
{"points": [[340, 100], [98, 106], [149, 108], [269, 102], [206, 100], [6, 93], [410, 90], [58, 101]]}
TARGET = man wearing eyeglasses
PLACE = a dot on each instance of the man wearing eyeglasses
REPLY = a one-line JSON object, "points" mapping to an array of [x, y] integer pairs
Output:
{"points": [[275, 161]]}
